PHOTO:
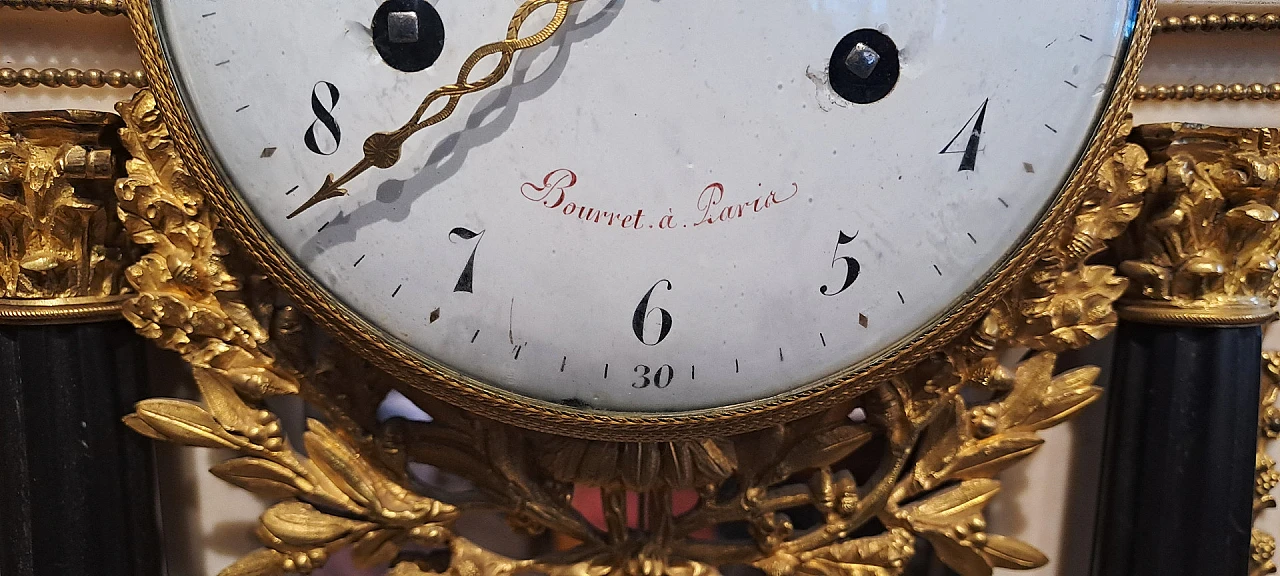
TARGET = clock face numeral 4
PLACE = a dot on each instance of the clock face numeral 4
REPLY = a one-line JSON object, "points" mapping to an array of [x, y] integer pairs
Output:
{"points": [[969, 162], [325, 119], [642, 313], [468, 271], [851, 266]]}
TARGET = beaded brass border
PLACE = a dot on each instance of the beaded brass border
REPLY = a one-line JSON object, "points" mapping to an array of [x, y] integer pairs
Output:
{"points": [[1228, 22], [1238, 92], [1220, 92], [470, 394], [71, 78]]}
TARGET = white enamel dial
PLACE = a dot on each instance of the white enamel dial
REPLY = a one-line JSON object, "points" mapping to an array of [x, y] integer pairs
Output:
{"points": [[666, 206]]}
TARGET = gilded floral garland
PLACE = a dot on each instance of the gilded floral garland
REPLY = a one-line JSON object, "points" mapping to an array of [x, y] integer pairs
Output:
{"points": [[912, 457], [1263, 545]]}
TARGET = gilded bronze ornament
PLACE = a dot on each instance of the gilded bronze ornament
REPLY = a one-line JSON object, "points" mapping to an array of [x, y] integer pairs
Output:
{"points": [[911, 456], [1203, 251], [65, 251], [1262, 555]]}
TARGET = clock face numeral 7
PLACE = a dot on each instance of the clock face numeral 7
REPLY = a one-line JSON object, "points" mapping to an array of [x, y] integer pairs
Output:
{"points": [[969, 161], [851, 266], [468, 271], [643, 311], [324, 117]]}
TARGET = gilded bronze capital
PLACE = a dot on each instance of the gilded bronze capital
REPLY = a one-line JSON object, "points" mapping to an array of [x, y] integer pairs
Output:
{"points": [[1202, 251], [64, 249]]}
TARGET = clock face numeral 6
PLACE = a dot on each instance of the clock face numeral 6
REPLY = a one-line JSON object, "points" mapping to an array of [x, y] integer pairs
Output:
{"points": [[324, 117], [969, 162], [636, 148], [642, 313]]}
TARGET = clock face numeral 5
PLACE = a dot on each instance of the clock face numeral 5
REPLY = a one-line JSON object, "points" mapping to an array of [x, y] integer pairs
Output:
{"points": [[851, 266], [324, 118], [969, 162]]}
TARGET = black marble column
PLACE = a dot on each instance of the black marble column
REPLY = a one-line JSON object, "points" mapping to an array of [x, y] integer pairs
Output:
{"points": [[76, 486], [1176, 492]]}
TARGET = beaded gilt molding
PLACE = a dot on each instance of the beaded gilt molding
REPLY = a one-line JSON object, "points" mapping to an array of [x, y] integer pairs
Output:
{"points": [[70, 77], [1220, 92], [854, 490]]}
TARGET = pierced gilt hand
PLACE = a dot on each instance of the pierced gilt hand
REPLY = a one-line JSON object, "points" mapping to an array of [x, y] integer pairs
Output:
{"points": [[382, 149]]}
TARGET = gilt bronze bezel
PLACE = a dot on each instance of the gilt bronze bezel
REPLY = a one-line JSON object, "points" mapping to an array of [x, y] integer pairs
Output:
{"points": [[424, 376]]}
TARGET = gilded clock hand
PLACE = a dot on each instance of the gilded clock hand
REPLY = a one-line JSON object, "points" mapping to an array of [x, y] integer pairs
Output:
{"points": [[382, 149]]}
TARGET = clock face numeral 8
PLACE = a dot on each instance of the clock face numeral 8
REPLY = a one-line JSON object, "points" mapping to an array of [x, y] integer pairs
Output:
{"points": [[323, 111], [735, 220]]}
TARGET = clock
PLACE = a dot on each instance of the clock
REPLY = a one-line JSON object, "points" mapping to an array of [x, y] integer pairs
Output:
{"points": [[643, 220]]}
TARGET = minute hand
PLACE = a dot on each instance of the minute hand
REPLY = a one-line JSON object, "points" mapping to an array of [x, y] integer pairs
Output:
{"points": [[382, 149]]}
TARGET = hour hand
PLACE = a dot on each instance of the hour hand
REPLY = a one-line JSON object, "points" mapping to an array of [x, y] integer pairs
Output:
{"points": [[381, 150], [331, 189]]}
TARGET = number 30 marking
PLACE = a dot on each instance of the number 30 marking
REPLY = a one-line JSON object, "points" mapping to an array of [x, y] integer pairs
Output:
{"points": [[661, 377]]}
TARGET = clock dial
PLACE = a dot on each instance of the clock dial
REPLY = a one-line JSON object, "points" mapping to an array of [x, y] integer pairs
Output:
{"points": [[667, 206]]}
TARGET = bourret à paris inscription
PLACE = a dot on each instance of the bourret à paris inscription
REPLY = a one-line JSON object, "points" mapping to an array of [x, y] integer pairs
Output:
{"points": [[557, 192]]}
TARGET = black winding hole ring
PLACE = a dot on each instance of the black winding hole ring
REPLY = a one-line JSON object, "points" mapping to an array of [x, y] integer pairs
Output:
{"points": [[409, 56], [882, 79]]}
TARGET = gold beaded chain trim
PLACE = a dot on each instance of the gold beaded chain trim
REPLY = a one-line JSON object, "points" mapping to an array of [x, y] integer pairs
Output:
{"points": [[1229, 22], [1203, 92], [71, 77], [104, 7], [1217, 23]]}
